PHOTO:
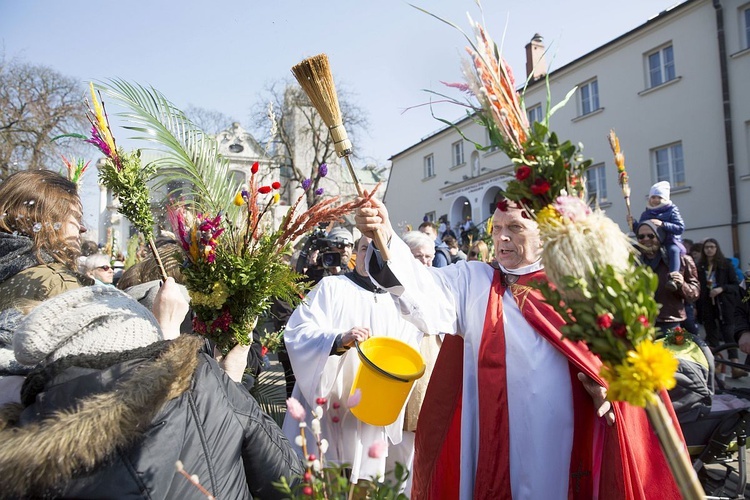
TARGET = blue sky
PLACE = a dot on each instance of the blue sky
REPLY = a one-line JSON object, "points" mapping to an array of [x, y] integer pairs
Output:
{"points": [[220, 55]]}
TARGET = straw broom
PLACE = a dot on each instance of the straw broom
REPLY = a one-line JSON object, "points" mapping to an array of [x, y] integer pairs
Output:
{"points": [[622, 175], [315, 78]]}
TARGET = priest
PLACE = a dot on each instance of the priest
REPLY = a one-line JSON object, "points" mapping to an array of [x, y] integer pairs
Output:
{"points": [[319, 337], [513, 410]]}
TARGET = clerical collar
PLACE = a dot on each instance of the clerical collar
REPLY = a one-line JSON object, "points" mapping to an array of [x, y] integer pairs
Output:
{"points": [[363, 282], [531, 268]]}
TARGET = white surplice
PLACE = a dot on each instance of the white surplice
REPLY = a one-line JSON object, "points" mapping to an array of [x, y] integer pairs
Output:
{"points": [[454, 299], [333, 307]]}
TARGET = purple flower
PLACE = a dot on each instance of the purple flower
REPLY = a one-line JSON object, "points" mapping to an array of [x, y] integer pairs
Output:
{"points": [[96, 140], [318, 191], [323, 170], [306, 184]]}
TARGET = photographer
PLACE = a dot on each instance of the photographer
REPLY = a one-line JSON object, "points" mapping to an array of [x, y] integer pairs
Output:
{"points": [[326, 255]]}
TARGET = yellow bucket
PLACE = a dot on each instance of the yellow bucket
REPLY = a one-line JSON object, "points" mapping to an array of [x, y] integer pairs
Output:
{"points": [[386, 373]]}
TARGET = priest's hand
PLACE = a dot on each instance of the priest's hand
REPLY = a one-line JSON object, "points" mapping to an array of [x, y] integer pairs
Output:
{"points": [[358, 333], [372, 217], [599, 395]]}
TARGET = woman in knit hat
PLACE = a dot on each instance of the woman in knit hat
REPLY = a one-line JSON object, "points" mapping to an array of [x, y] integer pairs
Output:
{"points": [[112, 407], [664, 214]]}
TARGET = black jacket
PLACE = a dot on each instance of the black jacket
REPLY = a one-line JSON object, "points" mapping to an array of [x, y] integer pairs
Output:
{"points": [[727, 301], [129, 418]]}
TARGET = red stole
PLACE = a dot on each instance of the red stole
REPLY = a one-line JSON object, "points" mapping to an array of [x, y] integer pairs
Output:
{"points": [[627, 457]]}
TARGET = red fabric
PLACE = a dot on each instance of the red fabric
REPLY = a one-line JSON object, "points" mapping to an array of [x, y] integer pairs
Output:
{"points": [[632, 465]]}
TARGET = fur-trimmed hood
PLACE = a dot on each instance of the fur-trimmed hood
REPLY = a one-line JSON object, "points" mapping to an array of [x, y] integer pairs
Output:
{"points": [[53, 445]]}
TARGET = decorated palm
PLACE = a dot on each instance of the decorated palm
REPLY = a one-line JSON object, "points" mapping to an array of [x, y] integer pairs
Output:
{"points": [[235, 258]]}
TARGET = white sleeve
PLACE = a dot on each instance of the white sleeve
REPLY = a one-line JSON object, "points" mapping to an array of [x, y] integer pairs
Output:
{"points": [[427, 297]]}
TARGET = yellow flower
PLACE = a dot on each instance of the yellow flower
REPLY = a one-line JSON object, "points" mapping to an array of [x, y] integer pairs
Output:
{"points": [[645, 370], [548, 217], [276, 197], [239, 200], [214, 299]]}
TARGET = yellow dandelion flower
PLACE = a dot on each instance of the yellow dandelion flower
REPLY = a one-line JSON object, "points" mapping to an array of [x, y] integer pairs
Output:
{"points": [[647, 369]]}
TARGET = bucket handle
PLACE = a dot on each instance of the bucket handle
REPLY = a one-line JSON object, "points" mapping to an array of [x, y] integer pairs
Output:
{"points": [[376, 367]]}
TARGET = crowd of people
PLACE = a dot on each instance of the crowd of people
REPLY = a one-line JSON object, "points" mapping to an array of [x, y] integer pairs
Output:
{"points": [[103, 387]]}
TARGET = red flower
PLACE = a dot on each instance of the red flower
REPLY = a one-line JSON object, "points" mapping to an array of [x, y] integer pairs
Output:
{"points": [[642, 319], [311, 457], [321, 401], [620, 330], [307, 477], [336, 405], [540, 186], [263, 350], [502, 205], [335, 419], [254, 168], [604, 320], [264, 189], [276, 185], [523, 172], [307, 491]]}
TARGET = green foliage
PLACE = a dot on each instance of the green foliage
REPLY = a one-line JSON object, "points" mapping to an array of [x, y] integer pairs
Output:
{"points": [[269, 391], [129, 185], [625, 298]]}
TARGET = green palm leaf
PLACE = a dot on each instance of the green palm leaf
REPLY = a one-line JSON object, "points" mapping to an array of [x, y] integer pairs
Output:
{"points": [[188, 153]]}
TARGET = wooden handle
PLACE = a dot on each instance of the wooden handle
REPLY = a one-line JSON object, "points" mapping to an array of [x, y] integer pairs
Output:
{"points": [[674, 450], [152, 246], [379, 239]]}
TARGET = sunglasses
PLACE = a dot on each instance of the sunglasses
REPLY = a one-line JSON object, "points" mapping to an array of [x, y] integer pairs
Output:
{"points": [[644, 236], [104, 268]]}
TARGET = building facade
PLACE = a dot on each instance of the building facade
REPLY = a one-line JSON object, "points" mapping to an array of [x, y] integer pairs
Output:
{"points": [[674, 90]]}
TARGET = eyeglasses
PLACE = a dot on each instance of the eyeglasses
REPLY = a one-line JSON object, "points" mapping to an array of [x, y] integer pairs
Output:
{"points": [[104, 268], [644, 236]]}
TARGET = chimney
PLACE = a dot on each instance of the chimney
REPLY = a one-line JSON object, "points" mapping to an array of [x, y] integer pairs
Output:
{"points": [[536, 65]]}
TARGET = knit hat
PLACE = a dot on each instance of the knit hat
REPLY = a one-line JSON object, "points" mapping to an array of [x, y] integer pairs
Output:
{"points": [[660, 189], [658, 231], [87, 320], [341, 233]]}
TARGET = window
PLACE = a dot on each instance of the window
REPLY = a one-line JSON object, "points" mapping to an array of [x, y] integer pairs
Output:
{"points": [[430, 216], [458, 153], [588, 94], [535, 114], [660, 66], [669, 165], [596, 184], [429, 166]]}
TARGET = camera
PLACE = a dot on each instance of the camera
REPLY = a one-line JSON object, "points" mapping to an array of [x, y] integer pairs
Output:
{"points": [[327, 246]]}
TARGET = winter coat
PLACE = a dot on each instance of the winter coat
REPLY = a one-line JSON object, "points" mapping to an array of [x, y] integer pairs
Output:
{"points": [[114, 426], [673, 302], [23, 277], [726, 302]]}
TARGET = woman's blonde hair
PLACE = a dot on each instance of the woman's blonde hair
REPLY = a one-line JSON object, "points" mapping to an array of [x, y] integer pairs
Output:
{"points": [[480, 250], [37, 204]]}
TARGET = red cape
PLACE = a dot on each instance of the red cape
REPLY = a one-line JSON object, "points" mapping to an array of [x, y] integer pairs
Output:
{"points": [[631, 466]]}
